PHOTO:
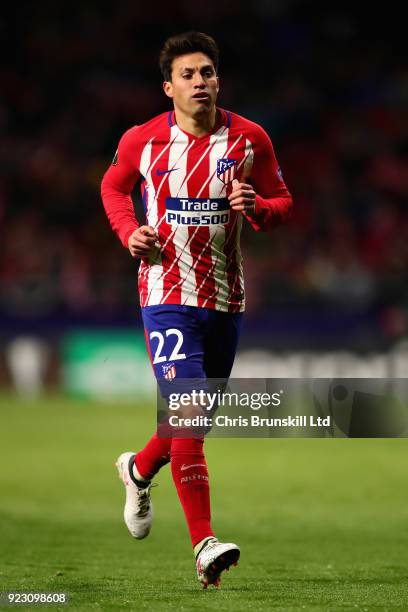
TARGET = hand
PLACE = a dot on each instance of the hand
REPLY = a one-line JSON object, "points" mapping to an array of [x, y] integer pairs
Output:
{"points": [[242, 197], [142, 242]]}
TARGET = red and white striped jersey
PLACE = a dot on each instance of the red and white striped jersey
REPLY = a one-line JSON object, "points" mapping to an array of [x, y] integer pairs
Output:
{"points": [[185, 182]]}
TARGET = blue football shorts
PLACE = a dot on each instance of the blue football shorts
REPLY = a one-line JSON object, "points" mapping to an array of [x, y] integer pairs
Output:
{"points": [[192, 344]]}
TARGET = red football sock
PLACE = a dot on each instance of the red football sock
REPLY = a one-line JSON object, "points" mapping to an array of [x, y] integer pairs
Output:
{"points": [[190, 475], [155, 454]]}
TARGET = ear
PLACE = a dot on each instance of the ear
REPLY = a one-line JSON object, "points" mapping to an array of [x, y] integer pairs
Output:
{"points": [[218, 84], [168, 88]]}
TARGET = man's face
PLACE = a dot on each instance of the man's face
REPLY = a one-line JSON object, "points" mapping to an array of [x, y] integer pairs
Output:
{"points": [[194, 84]]}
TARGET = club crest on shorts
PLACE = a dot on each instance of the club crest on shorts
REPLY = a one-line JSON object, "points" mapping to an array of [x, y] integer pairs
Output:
{"points": [[169, 372], [226, 169]]}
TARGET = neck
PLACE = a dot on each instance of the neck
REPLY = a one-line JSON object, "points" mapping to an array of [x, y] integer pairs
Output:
{"points": [[199, 125]]}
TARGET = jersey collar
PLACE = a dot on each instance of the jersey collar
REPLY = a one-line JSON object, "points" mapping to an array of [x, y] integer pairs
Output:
{"points": [[223, 118]]}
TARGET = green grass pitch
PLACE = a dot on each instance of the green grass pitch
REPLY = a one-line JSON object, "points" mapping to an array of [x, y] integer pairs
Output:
{"points": [[322, 524]]}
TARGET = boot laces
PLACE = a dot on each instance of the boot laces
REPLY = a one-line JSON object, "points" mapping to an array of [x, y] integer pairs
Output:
{"points": [[144, 499]]}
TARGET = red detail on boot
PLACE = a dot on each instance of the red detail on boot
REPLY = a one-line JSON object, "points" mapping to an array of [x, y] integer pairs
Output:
{"points": [[155, 454], [190, 475]]}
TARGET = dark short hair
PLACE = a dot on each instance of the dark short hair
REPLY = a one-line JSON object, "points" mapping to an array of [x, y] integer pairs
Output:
{"points": [[188, 42]]}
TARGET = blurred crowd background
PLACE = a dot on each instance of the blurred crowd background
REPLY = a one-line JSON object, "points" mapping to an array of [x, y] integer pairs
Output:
{"points": [[329, 85]]}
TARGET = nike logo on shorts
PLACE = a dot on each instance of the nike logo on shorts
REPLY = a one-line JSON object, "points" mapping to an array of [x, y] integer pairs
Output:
{"points": [[185, 467]]}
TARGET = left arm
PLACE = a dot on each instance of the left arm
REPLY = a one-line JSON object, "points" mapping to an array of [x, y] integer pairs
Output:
{"points": [[266, 202]]}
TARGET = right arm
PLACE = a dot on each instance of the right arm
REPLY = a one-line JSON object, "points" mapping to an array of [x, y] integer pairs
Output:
{"points": [[117, 185], [273, 202]]}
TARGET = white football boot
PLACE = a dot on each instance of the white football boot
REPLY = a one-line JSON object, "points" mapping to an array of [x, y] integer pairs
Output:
{"points": [[138, 512], [214, 558]]}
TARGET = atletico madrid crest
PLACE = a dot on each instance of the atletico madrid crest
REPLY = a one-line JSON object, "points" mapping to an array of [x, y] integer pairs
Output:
{"points": [[169, 372], [226, 170]]}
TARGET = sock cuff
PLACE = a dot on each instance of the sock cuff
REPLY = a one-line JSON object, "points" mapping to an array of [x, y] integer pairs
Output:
{"points": [[202, 544], [139, 483]]}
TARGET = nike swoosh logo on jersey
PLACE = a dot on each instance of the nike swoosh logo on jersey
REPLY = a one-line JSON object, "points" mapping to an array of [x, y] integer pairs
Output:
{"points": [[161, 172], [185, 467]]}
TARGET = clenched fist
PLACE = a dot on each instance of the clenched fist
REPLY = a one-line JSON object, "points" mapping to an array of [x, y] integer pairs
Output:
{"points": [[142, 242], [242, 197]]}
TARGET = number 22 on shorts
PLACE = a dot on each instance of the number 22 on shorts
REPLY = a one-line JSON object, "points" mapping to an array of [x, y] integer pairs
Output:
{"points": [[175, 354]]}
